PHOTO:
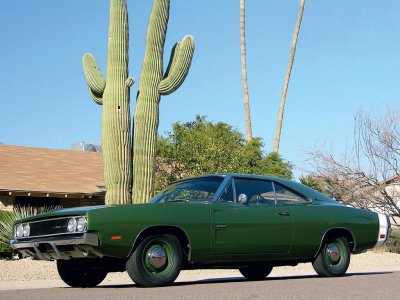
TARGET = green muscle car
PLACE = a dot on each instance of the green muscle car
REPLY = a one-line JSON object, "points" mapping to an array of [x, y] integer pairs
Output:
{"points": [[248, 222]]}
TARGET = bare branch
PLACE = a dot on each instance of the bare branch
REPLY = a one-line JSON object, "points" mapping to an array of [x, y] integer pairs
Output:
{"points": [[368, 175]]}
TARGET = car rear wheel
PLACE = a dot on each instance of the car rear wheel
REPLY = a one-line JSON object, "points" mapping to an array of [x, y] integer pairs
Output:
{"points": [[255, 272], [77, 275], [156, 261], [334, 258]]}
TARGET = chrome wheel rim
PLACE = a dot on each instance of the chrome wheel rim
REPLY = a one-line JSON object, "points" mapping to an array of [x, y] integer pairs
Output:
{"points": [[156, 257], [333, 253], [336, 256]]}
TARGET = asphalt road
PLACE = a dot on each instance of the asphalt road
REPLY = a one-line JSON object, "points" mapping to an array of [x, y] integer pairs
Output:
{"points": [[373, 285]]}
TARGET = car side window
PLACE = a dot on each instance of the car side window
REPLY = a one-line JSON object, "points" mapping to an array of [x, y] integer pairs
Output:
{"points": [[258, 192], [227, 195], [284, 196]]}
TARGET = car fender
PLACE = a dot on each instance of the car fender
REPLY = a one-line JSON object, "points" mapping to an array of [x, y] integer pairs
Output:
{"points": [[177, 231], [353, 240]]}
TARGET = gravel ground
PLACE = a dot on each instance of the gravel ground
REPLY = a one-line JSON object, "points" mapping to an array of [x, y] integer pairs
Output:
{"points": [[28, 269]]}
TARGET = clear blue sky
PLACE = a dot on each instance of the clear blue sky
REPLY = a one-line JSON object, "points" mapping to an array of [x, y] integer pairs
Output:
{"points": [[347, 58]]}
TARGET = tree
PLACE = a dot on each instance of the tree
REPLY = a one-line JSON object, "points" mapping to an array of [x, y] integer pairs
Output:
{"points": [[249, 134], [368, 175], [202, 147], [287, 76], [315, 183]]}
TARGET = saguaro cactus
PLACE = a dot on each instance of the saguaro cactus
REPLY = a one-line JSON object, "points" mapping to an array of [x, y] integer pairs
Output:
{"points": [[152, 85], [113, 94]]}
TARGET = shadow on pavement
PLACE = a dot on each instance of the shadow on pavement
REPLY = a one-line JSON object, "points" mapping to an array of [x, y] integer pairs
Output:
{"points": [[241, 279]]}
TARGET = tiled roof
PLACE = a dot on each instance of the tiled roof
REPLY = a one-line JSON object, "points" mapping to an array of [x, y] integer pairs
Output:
{"points": [[50, 171]]}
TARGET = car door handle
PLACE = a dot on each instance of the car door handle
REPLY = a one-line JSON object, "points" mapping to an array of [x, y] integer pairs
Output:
{"points": [[284, 213], [221, 226]]}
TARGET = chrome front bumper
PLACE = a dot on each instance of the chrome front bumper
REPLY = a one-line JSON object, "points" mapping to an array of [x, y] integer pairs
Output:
{"points": [[61, 247]]}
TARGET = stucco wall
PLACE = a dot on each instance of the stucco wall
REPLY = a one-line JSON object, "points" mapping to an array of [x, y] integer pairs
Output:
{"points": [[394, 191]]}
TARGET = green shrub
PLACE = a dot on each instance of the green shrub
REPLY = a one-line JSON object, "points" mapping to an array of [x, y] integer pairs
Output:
{"points": [[393, 243], [5, 249]]}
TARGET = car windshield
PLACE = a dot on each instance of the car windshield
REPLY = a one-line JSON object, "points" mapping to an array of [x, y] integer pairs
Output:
{"points": [[196, 189]]}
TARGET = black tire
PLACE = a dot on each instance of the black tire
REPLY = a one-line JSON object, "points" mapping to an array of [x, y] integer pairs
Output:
{"points": [[255, 272], [156, 261], [80, 275], [327, 263]]}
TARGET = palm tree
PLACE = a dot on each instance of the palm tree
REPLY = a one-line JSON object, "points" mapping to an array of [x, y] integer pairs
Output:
{"points": [[287, 76], [244, 71]]}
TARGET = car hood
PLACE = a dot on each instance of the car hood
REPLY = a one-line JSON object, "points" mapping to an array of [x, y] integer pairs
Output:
{"points": [[74, 211]]}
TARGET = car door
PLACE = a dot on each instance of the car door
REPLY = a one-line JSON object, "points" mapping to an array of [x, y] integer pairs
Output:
{"points": [[258, 226]]}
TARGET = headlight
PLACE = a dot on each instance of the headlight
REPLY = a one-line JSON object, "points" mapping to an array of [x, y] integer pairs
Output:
{"points": [[19, 230], [26, 230], [71, 225], [81, 224]]}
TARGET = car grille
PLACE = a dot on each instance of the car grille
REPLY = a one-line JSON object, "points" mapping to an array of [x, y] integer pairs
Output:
{"points": [[49, 227]]}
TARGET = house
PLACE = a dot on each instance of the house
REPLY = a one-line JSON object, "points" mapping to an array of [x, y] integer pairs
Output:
{"points": [[48, 177], [381, 197]]}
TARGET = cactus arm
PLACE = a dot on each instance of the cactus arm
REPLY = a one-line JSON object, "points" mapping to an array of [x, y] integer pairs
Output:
{"points": [[94, 78], [178, 67], [93, 75], [96, 97]]}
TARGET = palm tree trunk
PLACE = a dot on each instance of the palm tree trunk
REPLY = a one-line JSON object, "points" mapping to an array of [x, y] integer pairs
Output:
{"points": [[287, 76], [244, 71]]}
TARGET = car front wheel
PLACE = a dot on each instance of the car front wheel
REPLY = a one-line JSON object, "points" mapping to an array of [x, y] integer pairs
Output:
{"points": [[255, 272], [156, 261], [77, 275], [334, 258]]}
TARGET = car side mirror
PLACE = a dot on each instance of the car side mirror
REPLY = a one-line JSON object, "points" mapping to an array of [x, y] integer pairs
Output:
{"points": [[242, 198]]}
